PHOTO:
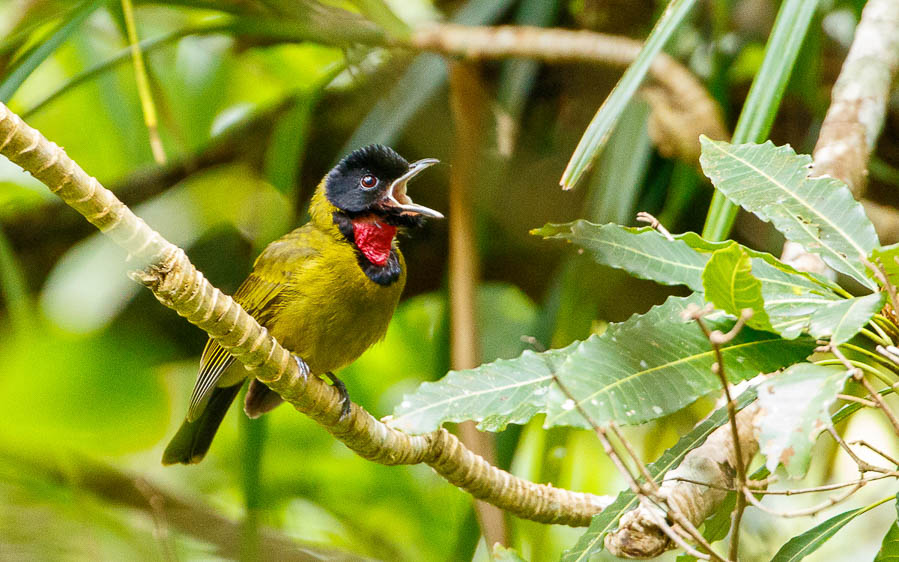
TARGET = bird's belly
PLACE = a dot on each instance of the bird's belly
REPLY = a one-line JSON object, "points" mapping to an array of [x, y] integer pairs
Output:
{"points": [[329, 325]]}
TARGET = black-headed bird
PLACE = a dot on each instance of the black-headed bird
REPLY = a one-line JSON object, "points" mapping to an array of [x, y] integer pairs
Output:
{"points": [[325, 291]]}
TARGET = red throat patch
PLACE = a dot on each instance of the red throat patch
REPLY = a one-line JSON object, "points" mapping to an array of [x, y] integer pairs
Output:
{"points": [[374, 240]]}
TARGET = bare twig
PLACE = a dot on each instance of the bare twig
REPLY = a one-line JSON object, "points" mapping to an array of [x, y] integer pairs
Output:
{"points": [[859, 377], [654, 223], [863, 443], [807, 511], [716, 340], [857, 400]]}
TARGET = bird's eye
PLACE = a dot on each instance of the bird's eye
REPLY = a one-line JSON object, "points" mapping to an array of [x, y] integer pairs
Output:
{"points": [[368, 181]]}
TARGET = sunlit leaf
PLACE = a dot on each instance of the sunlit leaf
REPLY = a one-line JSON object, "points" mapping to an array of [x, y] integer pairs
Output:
{"points": [[642, 252], [607, 519], [819, 213], [731, 287], [795, 409], [608, 374], [801, 546]]}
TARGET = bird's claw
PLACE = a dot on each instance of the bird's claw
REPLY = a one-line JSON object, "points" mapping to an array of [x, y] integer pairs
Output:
{"points": [[302, 366], [346, 404]]}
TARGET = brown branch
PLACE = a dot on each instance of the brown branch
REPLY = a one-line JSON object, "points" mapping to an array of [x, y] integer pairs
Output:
{"points": [[682, 107], [166, 270], [468, 105]]}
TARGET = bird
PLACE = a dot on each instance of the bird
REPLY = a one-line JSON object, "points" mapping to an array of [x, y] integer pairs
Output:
{"points": [[326, 291]]}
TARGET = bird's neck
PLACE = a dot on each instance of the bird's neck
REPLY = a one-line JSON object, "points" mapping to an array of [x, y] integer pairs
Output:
{"points": [[372, 238]]}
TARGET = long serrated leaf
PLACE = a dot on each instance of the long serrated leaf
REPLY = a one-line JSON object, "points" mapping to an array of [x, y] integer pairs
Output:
{"points": [[610, 375], [604, 121], [605, 521], [801, 546], [773, 183], [795, 409], [731, 287], [494, 394], [765, 94], [642, 252]]}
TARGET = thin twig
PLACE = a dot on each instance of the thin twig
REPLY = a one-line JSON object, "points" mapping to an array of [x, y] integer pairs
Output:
{"points": [[807, 511], [857, 400], [859, 377], [880, 274], [863, 466], [654, 223], [755, 486], [672, 534], [716, 339], [863, 443]]}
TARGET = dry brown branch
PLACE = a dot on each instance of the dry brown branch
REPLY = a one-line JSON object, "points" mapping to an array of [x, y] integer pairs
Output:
{"points": [[166, 270], [468, 104], [682, 107]]}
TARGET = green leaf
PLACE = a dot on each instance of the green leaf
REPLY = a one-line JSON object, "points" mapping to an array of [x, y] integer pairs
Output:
{"points": [[495, 394], [843, 319], [605, 521], [795, 409], [26, 66], [763, 100], [731, 287], [889, 548], [642, 252], [609, 374], [819, 213], [603, 122], [801, 546], [503, 554]]}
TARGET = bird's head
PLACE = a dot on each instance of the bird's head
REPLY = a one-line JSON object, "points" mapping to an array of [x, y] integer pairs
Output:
{"points": [[370, 183]]}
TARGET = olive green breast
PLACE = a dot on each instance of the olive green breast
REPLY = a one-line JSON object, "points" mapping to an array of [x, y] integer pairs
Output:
{"points": [[327, 310]]}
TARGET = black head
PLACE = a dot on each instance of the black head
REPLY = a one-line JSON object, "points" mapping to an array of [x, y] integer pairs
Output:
{"points": [[372, 180]]}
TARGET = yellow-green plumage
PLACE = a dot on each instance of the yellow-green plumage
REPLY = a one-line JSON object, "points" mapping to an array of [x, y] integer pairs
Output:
{"points": [[326, 291]]}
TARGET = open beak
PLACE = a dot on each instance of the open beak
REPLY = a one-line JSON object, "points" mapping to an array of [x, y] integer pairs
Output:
{"points": [[396, 193]]}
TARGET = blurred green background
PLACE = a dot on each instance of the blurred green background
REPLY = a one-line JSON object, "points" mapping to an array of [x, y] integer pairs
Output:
{"points": [[95, 375]]}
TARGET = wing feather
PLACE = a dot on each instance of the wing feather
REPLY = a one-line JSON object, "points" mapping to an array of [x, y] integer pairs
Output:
{"points": [[258, 295]]}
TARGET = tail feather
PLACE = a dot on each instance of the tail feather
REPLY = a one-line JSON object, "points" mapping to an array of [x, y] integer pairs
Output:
{"points": [[193, 439]]}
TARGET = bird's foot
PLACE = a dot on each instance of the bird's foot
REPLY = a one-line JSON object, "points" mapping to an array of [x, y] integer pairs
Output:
{"points": [[302, 366], [344, 396]]}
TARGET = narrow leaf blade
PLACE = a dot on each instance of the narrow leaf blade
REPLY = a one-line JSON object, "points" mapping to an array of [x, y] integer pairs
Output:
{"points": [[801, 546]]}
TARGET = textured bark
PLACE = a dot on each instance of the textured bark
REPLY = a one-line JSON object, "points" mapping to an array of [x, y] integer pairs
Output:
{"points": [[176, 283]]}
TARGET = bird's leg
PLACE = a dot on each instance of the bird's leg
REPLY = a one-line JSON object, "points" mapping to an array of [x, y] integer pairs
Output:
{"points": [[302, 366], [344, 395]]}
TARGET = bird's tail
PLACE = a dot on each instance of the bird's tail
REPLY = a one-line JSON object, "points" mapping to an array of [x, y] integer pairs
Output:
{"points": [[193, 439]]}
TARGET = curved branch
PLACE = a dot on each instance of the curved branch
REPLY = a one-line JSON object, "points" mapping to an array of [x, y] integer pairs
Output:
{"points": [[176, 283]]}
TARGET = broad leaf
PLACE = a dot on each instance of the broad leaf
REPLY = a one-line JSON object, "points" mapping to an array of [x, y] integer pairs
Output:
{"points": [[843, 319], [495, 394], [801, 546], [610, 375], [795, 409], [657, 363], [642, 252], [819, 213], [607, 520], [731, 287]]}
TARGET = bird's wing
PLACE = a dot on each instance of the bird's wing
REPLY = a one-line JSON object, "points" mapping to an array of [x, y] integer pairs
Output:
{"points": [[259, 297]]}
